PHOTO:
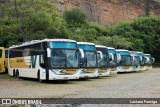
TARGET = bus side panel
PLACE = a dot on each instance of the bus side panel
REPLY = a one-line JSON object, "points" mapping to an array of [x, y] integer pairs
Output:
{"points": [[2, 60], [26, 66], [37, 68]]}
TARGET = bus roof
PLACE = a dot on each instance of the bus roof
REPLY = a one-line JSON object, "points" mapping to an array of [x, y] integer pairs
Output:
{"points": [[63, 40], [38, 41], [85, 43], [110, 48], [121, 50], [147, 54], [100, 46], [140, 52], [133, 52]]}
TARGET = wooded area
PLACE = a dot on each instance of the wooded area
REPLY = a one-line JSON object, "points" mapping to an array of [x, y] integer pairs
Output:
{"points": [[26, 20]]}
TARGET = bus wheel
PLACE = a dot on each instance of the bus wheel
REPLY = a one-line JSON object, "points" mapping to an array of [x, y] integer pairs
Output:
{"points": [[14, 73], [17, 74], [39, 78]]}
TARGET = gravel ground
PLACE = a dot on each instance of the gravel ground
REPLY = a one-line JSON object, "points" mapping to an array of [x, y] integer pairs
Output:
{"points": [[143, 84]]}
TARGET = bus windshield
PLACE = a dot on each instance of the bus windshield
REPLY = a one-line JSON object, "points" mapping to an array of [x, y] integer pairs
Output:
{"points": [[90, 59], [142, 61], [0, 53], [64, 54], [64, 58], [104, 61], [136, 61], [125, 60], [150, 60], [90, 55]]}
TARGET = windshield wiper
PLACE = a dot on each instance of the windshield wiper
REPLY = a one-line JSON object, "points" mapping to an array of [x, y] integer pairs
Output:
{"points": [[69, 63], [89, 63]]}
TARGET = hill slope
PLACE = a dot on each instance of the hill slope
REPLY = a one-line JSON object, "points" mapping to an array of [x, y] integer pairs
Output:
{"points": [[111, 12]]}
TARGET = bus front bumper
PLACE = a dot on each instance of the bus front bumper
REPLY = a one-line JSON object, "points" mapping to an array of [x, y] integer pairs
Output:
{"points": [[122, 69], [88, 75], [64, 77], [104, 74]]}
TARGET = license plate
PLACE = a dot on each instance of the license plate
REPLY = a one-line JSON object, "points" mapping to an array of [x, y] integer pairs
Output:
{"points": [[65, 78]]}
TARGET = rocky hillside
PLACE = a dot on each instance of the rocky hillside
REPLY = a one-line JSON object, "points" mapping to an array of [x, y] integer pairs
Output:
{"points": [[111, 12]]}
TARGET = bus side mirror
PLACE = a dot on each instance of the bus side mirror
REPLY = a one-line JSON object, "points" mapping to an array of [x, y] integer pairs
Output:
{"points": [[82, 59], [146, 59], [100, 55], [132, 58], [48, 52], [81, 53], [153, 60], [111, 57], [140, 59], [118, 58]]}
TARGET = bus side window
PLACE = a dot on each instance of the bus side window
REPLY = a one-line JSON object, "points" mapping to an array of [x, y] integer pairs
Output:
{"points": [[26, 52], [0, 53], [6, 53]]}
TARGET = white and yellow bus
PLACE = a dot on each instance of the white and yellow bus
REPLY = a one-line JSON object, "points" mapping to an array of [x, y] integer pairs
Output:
{"points": [[3, 60], [125, 64], [90, 66], [113, 60], [136, 60], [48, 59], [103, 65], [149, 61], [142, 61]]}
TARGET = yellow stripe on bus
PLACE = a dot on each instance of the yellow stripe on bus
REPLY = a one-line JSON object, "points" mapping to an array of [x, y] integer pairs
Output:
{"points": [[101, 70], [89, 70], [127, 67], [70, 71], [19, 62], [114, 68]]}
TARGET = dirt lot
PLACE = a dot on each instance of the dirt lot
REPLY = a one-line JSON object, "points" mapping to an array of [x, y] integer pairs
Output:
{"points": [[128, 85]]}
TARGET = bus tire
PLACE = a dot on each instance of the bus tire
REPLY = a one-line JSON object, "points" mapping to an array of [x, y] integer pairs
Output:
{"points": [[14, 73], [17, 74], [39, 78], [65, 81]]}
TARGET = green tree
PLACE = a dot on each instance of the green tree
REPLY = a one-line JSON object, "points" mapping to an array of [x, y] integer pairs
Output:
{"points": [[32, 19], [75, 16], [114, 41]]}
